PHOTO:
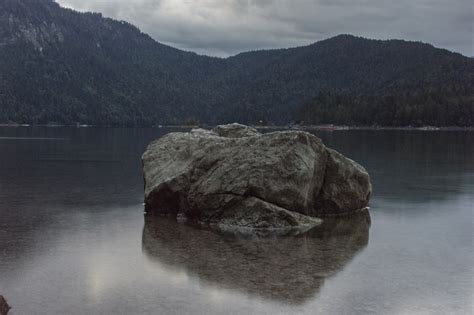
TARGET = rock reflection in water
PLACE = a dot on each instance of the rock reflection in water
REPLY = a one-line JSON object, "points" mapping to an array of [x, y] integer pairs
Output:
{"points": [[287, 269]]}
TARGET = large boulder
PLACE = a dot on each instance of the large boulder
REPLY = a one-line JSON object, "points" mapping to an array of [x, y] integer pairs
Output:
{"points": [[4, 307], [233, 176]]}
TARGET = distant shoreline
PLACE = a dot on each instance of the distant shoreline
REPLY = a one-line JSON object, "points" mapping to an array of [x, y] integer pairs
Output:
{"points": [[292, 127], [339, 128]]}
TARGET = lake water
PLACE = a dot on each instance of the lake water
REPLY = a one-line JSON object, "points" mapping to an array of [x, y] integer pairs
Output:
{"points": [[74, 240]]}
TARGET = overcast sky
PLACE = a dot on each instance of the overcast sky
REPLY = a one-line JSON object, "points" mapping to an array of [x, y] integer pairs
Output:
{"points": [[227, 27]]}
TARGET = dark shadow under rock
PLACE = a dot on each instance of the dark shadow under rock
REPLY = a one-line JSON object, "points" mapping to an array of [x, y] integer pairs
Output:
{"points": [[289, 269]]}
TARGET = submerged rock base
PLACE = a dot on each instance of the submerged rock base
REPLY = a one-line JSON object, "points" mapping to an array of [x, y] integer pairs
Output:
{"points": [[235, 177]]}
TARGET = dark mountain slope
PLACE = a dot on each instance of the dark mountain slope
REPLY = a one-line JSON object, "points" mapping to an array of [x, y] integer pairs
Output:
{"points": [[346, 64], [58, 65], [64, 66]]}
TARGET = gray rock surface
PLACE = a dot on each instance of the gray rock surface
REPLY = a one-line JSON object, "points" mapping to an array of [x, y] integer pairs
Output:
{"points": [[4, 307], [235, 176], [235, 131]]}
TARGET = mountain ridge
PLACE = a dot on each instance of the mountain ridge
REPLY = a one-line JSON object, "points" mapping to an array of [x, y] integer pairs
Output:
{"points": [[60, 65]]}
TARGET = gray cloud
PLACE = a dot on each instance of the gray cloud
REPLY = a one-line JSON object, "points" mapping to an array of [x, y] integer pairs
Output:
{"points": [[226, 27]]}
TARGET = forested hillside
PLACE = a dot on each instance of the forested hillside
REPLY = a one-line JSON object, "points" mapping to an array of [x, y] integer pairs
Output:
{"points": [[444, 106], [57, 65], [62, 66]]}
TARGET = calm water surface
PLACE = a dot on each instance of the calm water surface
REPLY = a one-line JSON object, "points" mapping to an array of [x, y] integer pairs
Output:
{"points": [[74, 240]]}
